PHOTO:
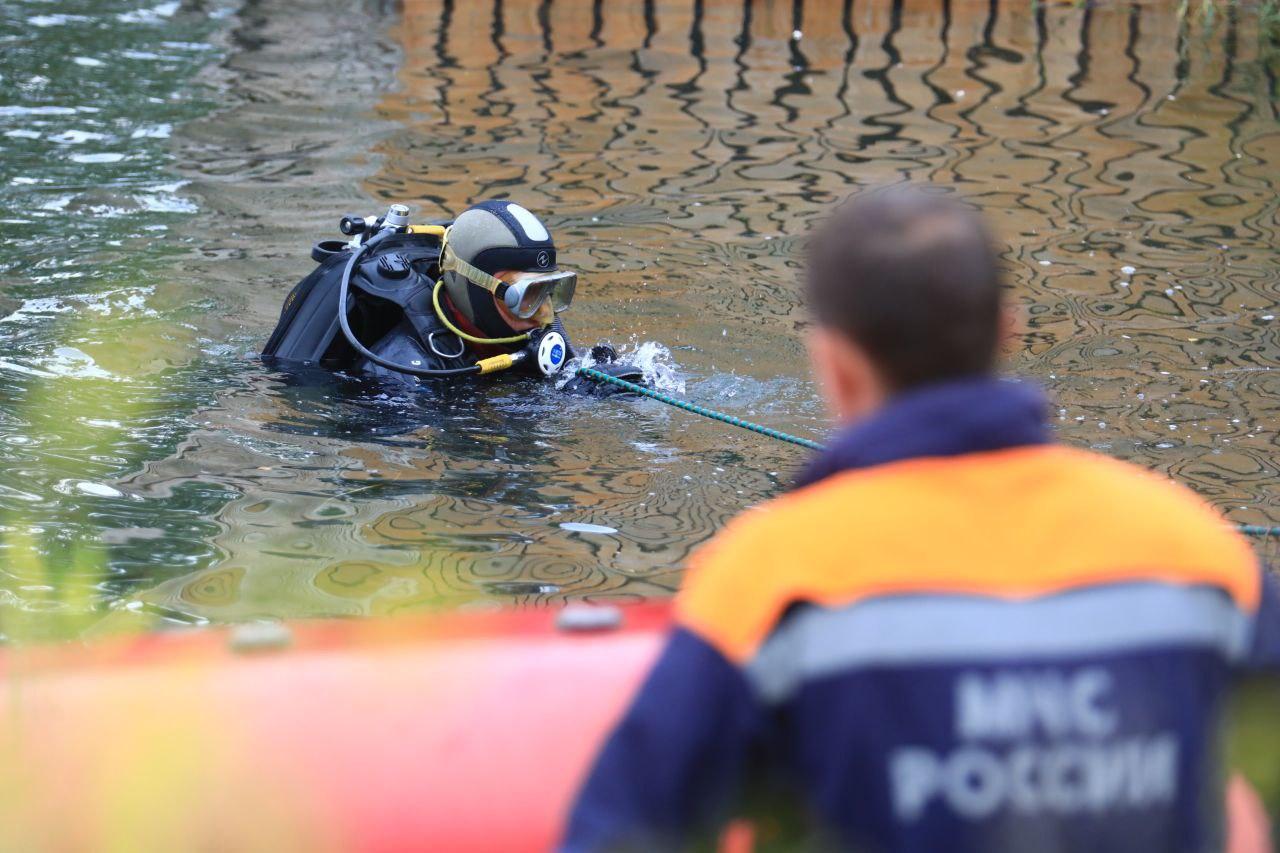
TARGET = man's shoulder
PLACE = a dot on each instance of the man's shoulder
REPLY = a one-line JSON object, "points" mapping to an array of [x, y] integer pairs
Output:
{"points": [[909, 493], [1051, 484], [1126, 502], [1011, 523]]}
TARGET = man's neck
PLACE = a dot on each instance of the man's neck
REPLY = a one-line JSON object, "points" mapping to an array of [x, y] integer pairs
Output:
{"points": [[972, 415]]}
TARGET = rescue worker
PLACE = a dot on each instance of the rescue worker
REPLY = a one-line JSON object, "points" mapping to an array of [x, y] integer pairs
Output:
{"points": [[478, 295], [954, 634]]}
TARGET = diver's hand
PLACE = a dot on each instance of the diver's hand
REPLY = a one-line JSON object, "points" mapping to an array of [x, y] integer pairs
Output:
{"points": [[604, 358]]}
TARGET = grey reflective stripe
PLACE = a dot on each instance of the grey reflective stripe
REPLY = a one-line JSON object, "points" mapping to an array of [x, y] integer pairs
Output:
{"points": [[940, 629]]}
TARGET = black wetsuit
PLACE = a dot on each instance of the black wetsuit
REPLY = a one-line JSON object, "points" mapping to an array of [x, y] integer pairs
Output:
{"points": [[390, 311]]}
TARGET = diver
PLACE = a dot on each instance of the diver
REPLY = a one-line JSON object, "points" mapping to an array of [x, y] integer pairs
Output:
{"points": [[477, 295]]}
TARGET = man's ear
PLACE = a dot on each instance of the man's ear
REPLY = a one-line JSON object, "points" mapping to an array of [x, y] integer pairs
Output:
{"points": [[850, 383]]}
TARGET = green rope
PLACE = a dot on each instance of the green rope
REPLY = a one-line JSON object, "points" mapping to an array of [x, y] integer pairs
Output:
{"points": [[598, 376]]}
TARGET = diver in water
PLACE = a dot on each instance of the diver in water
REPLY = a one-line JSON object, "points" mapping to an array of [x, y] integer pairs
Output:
{"points": [[478, 295]]}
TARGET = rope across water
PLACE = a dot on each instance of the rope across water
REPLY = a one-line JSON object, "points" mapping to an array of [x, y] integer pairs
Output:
{"points": [[599, 376]]}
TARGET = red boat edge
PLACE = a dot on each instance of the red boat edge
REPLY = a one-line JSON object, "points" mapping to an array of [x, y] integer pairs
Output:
{"points": [[459, 731], [452, 731]]}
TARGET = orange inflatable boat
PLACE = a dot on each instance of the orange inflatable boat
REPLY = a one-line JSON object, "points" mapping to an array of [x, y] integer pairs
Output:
{"points": [[458, 732], [455, 732]]}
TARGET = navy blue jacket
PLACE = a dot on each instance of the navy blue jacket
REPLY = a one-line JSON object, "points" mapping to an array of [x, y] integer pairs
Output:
{"points": [[955, 635]]}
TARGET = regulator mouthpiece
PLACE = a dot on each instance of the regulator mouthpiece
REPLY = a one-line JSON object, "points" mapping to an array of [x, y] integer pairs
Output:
{"points": [[551, 351]]}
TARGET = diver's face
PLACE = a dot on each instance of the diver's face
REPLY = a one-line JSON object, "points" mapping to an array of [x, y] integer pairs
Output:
{"points": [[544, 316]]}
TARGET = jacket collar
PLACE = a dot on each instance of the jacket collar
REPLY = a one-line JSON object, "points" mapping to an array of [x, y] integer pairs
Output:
{"points": [[947, 419]]}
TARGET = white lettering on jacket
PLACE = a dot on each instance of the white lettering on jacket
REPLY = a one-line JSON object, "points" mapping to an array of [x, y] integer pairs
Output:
{"points": [[1035, 743]]}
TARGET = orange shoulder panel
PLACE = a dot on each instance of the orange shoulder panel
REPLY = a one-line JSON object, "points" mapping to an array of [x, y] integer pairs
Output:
{"points": [[1013, 523]]}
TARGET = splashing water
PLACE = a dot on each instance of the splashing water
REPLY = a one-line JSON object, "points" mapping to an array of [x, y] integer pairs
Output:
{"points": [[659, 368], [653, 360]]}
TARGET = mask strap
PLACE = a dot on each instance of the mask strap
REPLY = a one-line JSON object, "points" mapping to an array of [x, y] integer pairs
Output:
{"points": [[449, 261]]}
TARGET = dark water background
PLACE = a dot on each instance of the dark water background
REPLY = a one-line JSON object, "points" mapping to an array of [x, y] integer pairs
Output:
{"points": [[156, 208]]}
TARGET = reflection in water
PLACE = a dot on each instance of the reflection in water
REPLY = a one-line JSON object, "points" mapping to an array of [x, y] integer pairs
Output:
{"points": [[680, 151], [100, 364]]}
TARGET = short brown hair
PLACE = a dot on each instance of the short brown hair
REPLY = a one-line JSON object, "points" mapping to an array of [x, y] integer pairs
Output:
{"points": [[911, 277]]}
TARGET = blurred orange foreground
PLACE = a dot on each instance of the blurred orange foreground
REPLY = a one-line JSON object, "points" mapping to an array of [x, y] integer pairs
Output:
{"points": [[458, 732]]}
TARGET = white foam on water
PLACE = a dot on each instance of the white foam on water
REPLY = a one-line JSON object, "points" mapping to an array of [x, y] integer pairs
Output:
{"points": [[55, 20], [161, 199], [18, 110], [74, 363], [103, 157], [87, 487], [652, 359], [582, 527], [166, 203], [58, 203], [15, 367], [131, 301], [148, 16], [40, 307], [100, 490], [75, 137], [65, 362], [152, 131], [659, 369]]}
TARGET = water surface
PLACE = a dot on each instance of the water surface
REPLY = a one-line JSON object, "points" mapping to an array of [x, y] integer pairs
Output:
{"points": [[1127, 154]]}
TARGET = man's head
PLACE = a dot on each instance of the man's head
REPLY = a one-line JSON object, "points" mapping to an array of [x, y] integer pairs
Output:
{"points": [[506, 241], [905, 291]]}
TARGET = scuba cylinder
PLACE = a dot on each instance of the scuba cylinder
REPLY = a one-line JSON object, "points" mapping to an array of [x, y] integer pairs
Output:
{"points": [[373, 305]]}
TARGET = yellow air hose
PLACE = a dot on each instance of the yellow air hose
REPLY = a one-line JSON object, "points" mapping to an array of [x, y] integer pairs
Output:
{"points": [[443, 233], [493, 364], [435, 303]]}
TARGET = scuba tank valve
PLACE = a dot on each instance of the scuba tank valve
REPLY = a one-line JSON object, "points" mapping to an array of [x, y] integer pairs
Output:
{"points": [[396, 218]]}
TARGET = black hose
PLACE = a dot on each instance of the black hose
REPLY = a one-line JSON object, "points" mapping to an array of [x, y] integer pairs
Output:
{"points": [[345, 287]]}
